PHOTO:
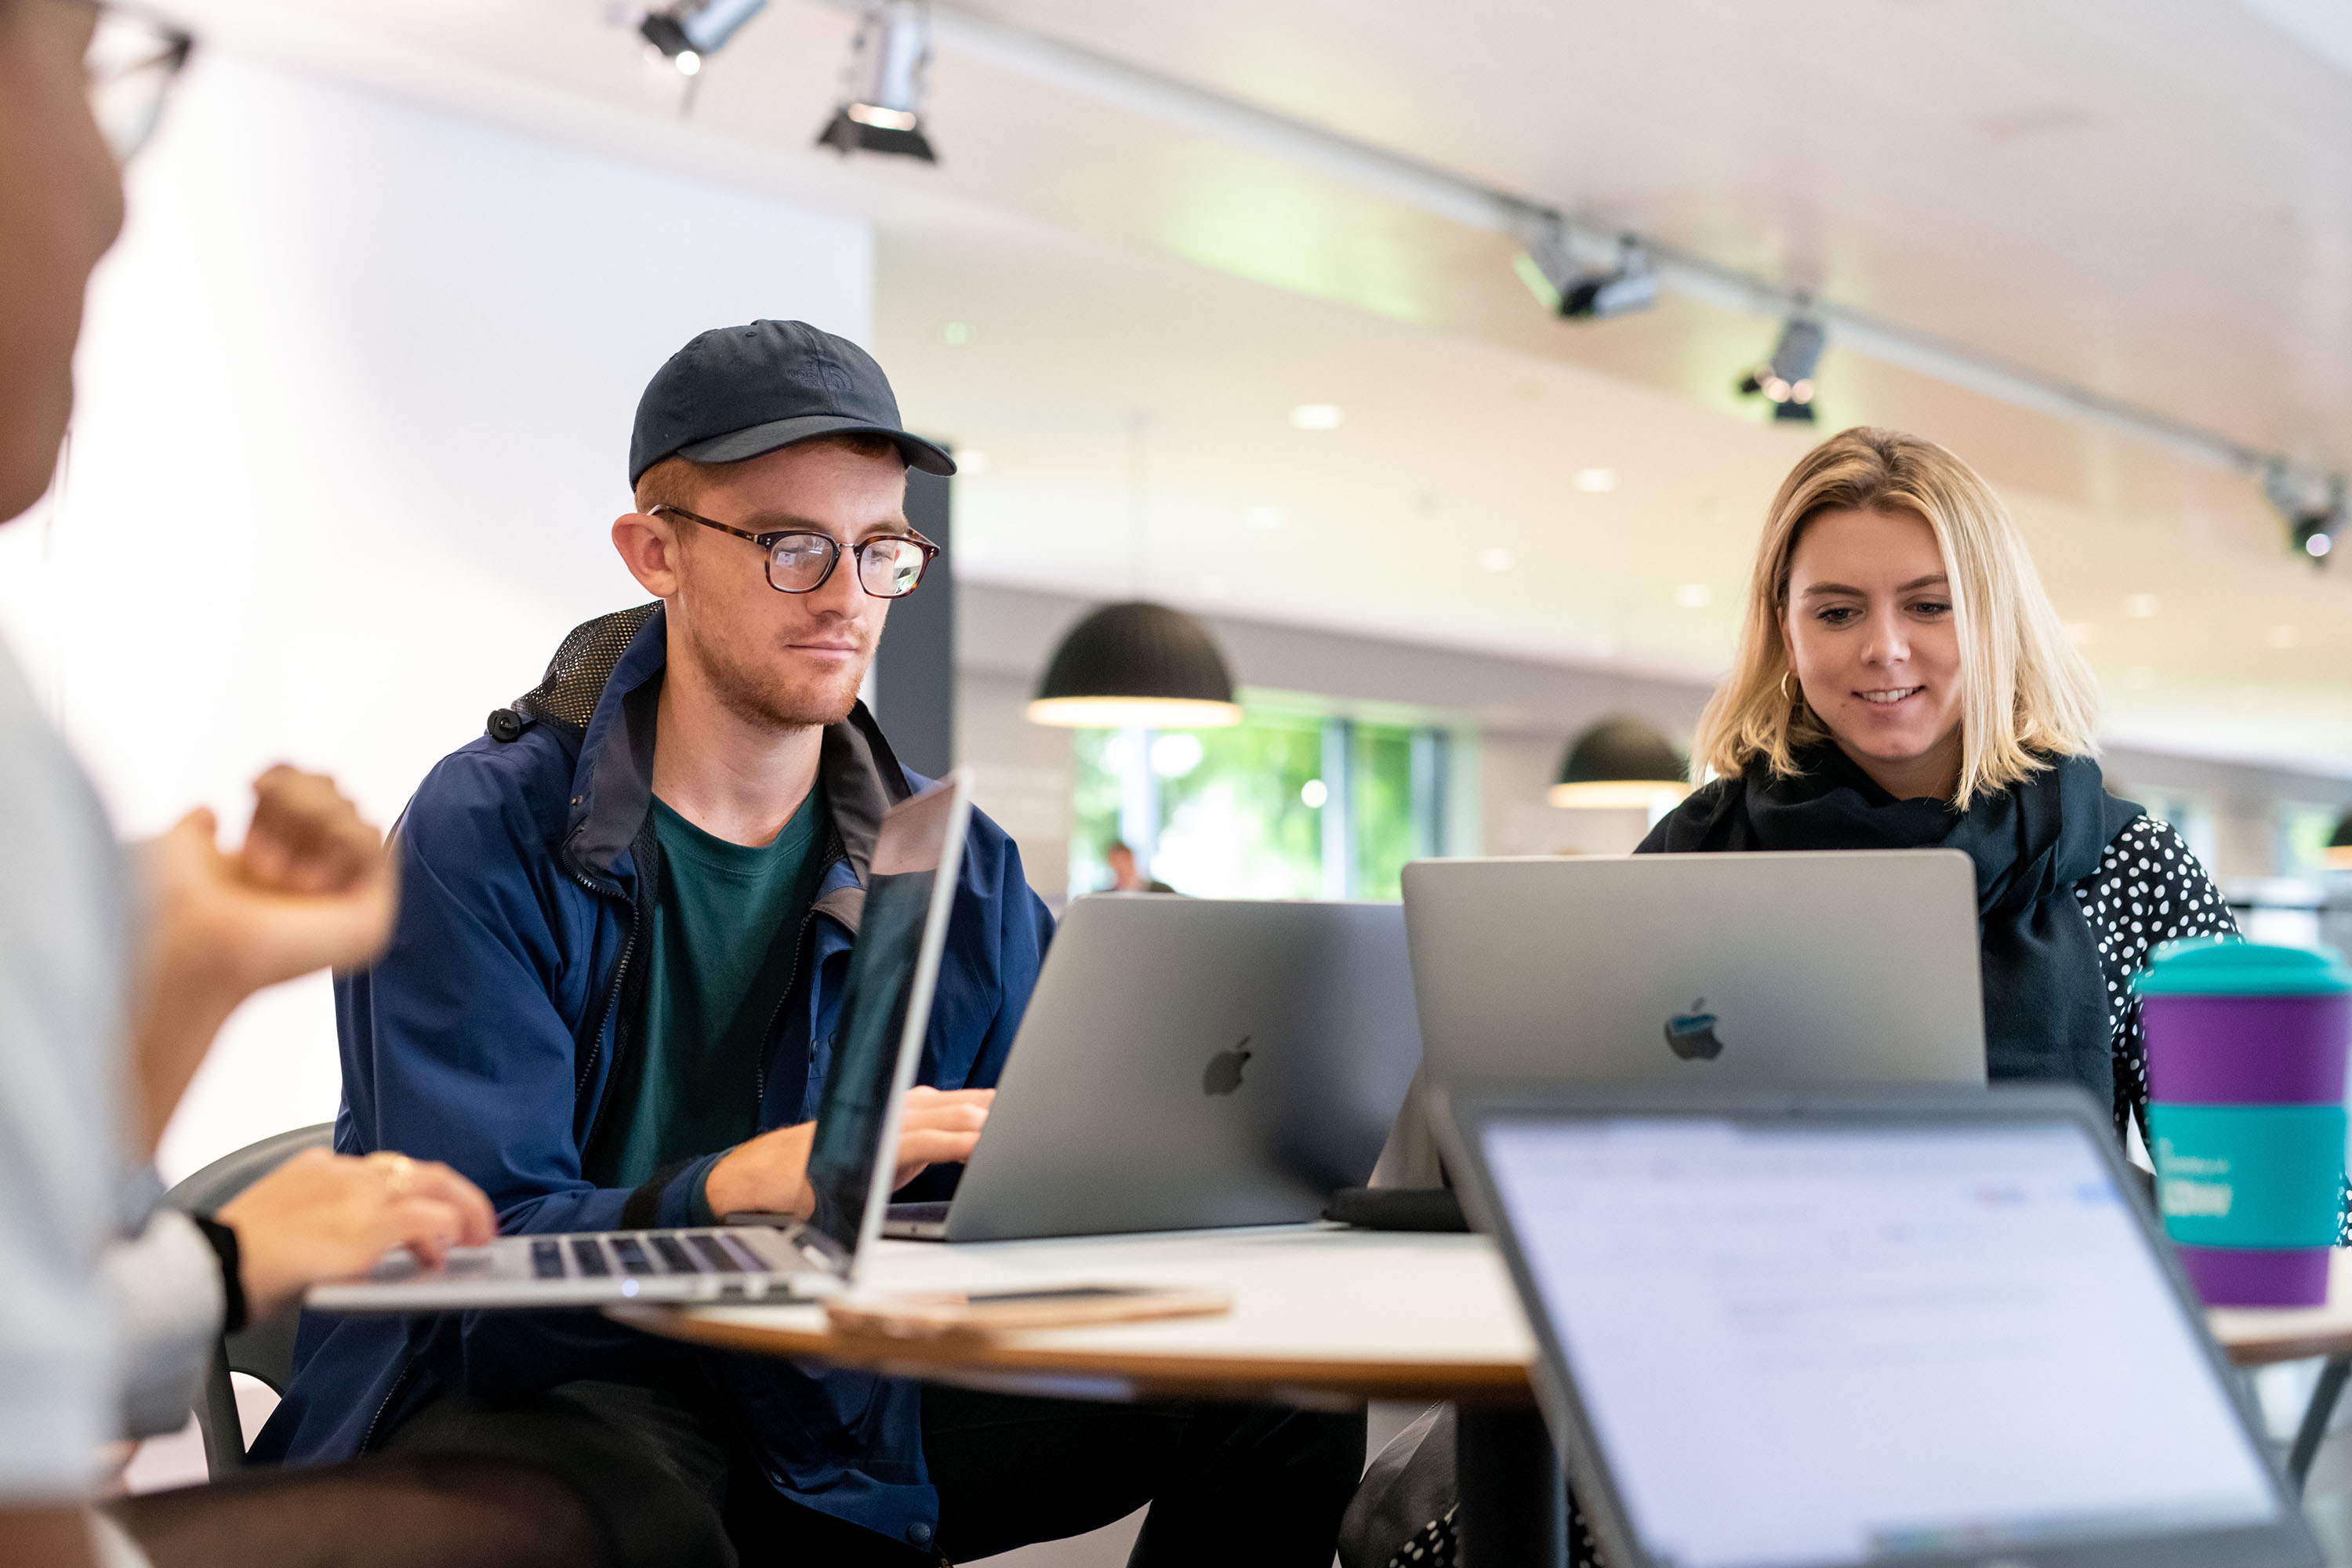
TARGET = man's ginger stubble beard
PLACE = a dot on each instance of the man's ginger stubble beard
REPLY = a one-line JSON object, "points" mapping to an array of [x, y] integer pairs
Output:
{"points": [[769, 699]]}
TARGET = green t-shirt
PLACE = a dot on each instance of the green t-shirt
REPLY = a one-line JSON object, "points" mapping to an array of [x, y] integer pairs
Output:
{"points": [[726, 926]]}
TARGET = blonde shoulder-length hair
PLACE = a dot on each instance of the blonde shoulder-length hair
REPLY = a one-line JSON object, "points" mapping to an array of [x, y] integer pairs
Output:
{"points": [[2027, 694]]}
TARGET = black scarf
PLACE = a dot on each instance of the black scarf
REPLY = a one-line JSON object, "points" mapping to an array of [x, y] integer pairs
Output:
{"points": [[2045, 1003]]}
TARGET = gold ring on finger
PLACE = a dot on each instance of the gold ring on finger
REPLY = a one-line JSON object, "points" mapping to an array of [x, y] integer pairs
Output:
{"points": [[399, 1172]]}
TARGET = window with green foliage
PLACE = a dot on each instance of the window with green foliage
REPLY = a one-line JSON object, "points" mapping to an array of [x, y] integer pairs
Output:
{"points": [[2302, 834], [1250, 812]]}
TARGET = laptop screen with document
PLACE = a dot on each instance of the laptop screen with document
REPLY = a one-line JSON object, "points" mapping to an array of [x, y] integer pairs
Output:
{"points": [[1808, 1340]]}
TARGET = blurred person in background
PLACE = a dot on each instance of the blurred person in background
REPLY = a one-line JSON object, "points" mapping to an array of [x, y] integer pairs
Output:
{"points": [[108, 1307], [1126, 876]]}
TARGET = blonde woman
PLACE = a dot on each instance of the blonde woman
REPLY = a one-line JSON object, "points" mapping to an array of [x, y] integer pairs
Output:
{"points": [[1902, 681]]}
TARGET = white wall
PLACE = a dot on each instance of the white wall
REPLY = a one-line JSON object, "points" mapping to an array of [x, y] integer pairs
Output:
{"points": [[355, 392]]}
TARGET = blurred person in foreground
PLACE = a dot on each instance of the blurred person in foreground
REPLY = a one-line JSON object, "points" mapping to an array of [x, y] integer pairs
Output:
{"points": [[104, 1302]]}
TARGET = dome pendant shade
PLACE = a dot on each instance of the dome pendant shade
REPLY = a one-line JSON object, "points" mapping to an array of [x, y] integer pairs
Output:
{"points": [[2339, 845], [1137, 665], [1621, 763]]}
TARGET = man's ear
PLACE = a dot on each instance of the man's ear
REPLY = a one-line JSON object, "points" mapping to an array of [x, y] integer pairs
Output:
{"points": [[649, 549]]}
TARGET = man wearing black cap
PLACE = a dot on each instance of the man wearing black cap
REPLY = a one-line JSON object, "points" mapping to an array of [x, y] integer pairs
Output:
{"points": [[627, 922]]}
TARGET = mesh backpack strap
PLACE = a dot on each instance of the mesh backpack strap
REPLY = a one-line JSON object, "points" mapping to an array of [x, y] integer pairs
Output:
{"points": [[575, 676]]}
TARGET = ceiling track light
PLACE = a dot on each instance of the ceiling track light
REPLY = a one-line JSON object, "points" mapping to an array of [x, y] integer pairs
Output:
{"points": [[689, 32], [881, 109], [1577, 290], [1787, 378], [2316, 536], [1129, 87], [2316, 511]]}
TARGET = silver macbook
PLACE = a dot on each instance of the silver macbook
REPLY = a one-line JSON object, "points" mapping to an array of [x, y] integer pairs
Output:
{"points": [[1933, 1327], [886, 1008], [1857, 966], [1188, 1063]]}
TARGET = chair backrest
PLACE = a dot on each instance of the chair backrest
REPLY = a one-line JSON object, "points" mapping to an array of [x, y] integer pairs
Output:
{"points": [[230, 1174], [264, 1349]]}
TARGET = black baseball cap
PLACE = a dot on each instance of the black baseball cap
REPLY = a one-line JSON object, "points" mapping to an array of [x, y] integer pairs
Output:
{"points": [[736, 392]]}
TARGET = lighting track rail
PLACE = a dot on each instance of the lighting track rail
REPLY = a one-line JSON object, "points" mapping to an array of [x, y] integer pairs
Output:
{"points": [[1132, 89]]}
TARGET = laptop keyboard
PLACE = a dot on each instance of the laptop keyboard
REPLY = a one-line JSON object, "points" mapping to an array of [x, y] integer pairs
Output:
{"points": [[658, 1252]]}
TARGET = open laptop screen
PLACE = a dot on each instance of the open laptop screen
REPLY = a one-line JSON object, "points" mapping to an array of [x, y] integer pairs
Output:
{"points": [[1828, 1344], [885, 1008]]}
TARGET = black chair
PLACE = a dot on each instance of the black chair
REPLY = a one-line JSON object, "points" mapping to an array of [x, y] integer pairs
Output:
{"points": [[263, 1350]]}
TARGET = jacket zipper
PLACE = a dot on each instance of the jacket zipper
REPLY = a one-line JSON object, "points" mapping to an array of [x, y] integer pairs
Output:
{"points": [[776, 1019], [648, 861], [367, 1438], [792, 976], [611, 996]]}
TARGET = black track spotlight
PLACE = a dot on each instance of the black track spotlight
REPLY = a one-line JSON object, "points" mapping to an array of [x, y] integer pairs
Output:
{"points": [[882, 108], [2316, 512], [1787, 378], [1619, 290], [1580, 292], [2316, 536], [689, 32]]}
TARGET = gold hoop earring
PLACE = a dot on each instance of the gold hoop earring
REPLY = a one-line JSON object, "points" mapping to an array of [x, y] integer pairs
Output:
{"points": [[1784, 688]]}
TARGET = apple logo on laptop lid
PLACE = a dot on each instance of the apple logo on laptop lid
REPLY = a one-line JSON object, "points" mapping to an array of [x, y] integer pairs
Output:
{"points": [[1691, 1036], [1224, 1073]]}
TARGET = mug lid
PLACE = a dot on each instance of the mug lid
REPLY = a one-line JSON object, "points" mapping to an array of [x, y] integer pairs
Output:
{"points": [[2210, 966]]}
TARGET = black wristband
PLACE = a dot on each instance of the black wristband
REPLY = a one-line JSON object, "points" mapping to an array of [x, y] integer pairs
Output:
{"points": [[223, 1242], [641, 1210]]}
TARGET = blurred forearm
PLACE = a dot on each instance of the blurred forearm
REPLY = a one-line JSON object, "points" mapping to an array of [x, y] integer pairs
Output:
{"points": [[52, 1536]]}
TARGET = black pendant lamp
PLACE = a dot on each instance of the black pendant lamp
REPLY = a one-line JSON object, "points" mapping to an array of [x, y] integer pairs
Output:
{"points": [[1622, 763], [1137, 665], [2339, 847]]}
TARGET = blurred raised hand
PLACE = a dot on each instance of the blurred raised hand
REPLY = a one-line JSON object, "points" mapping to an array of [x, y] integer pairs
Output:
{"points": [[311, 888]]}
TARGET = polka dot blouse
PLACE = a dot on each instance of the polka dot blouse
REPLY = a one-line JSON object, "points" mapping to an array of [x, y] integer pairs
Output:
{"points": [[2148, 890]]}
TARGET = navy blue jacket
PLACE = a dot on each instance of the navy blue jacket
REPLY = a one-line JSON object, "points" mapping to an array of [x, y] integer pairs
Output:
{"points": [[488, 1032]]}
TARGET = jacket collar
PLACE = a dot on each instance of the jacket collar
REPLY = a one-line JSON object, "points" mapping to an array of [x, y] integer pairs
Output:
{"points": [[611, 779]]}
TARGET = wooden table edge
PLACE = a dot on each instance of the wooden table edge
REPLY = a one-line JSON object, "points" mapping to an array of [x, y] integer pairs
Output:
{"points": [[1149, 1372], [2268, 1349]]}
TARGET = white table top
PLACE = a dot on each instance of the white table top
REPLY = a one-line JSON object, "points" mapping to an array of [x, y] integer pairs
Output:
{"points": [[1321, 1314]]}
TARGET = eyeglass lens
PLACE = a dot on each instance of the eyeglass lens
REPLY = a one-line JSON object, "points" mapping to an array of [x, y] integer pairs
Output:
{"points": [[887, 568], [131, 65]]}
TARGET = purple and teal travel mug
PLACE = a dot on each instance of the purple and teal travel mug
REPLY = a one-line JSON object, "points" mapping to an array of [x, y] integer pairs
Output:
{"points": [[2246, 1050]]}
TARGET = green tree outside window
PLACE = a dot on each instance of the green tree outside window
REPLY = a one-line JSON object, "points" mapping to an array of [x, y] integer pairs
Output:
{"points": [[1239, 812]]}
